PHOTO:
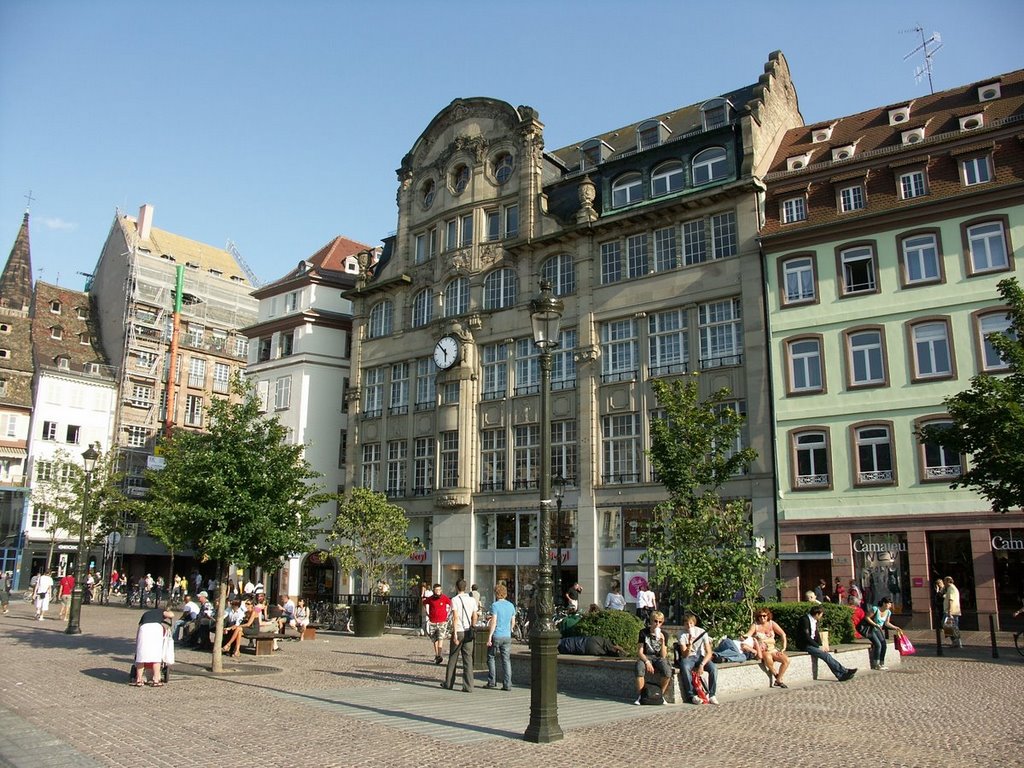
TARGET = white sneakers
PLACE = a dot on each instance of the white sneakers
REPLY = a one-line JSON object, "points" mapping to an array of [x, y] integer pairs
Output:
{"points": [[713, 700]]}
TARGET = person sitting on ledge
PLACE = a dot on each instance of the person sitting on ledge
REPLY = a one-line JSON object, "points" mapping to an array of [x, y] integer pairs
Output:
{"points": [[590, 646]]}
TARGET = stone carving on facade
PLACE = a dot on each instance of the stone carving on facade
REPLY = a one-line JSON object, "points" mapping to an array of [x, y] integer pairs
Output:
{"points": [[351, 395], [491, 253], [461, 261], [461, 328], [587, 193], [586, 355], [452, 500]]}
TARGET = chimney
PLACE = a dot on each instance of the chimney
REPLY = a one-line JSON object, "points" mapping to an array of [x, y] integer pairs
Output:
{"points": [[145, 223]]}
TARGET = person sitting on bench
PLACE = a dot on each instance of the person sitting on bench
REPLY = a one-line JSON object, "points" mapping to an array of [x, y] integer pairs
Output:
{"points": [[594, 645]]}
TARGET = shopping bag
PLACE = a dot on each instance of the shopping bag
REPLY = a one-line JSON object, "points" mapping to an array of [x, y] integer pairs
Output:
{"points": [[698, 687], [903, 646]]}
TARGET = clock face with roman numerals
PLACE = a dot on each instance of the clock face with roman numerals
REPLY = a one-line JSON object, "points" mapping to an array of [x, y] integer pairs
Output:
{"points": [[446, 352]]}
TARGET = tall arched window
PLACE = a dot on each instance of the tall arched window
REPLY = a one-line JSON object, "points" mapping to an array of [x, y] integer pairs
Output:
{"points": [[381, 319], [500, 288], [456, 297], [561, 273], [422, 308], [710, 165]]}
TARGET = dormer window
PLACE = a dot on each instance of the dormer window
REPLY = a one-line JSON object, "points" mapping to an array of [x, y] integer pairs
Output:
{"points": [[818, 135], [56, 332], [989, 91], [216, 273], [237, 279], [191, 265], [55, 307], [843, 153], [167, 257], [715, 113], [593, 153], [797, 162], [650, 134], [83, 313], [352, 265], [64, 363], [915, 136], [899, 115], [970, 122]]}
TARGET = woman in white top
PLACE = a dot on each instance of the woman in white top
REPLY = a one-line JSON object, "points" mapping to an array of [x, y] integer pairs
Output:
{"points": [[614, 601]]}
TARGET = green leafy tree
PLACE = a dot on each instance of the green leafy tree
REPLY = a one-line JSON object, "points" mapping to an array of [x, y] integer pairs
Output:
{"points": [[369, 535], [61, 497], [988, 418], [237, 494], [702, 547]]}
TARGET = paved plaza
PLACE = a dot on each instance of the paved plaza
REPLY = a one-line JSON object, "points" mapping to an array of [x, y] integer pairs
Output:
{"points": [[345, 701]]}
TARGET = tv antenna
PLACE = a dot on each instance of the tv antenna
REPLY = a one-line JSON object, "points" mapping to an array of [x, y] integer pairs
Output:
{"points": [[930, 47]]}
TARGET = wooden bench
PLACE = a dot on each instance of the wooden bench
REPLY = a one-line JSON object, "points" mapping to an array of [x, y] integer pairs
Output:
{"points": [[264, 642]]}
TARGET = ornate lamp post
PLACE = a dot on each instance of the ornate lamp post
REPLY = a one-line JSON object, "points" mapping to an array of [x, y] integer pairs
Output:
{"points": [[89, 457], [558, 489], [546, 314]]}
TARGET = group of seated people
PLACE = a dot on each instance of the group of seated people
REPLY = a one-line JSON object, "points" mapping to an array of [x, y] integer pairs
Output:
{"points": [[244, 617]]}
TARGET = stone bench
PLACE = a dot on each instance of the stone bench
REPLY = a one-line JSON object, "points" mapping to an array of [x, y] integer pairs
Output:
{"points": [[615, 678], [264, 642]]}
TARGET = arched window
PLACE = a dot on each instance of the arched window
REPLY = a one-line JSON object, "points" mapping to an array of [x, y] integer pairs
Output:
{"points": [[460, 179], [427, 193], [381, 319], [709, 165], [422, 308], [627, 189], [456, 297], [503, 167], [500, 288], [561, 273], [667, 177]]}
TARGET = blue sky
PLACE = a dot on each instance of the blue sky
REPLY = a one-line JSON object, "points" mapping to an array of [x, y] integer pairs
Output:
{"points": [[280, 125]]}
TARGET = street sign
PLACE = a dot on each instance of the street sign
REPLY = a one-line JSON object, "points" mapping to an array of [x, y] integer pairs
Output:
{"points": [[155, 462]]}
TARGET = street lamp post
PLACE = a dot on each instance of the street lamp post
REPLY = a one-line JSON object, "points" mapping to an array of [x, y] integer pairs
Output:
{"points": [[558, 489], [89, 457], [546, 314]]}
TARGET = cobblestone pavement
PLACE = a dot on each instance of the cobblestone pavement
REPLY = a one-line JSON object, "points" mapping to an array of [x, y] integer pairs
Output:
{"points": [[345, 701]]}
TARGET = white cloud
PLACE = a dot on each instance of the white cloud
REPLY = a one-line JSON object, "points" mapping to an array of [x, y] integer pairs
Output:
{"points": [[58, 224]]}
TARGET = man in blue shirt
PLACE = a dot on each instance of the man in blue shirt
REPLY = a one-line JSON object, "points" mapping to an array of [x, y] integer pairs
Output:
{"points": [[499, 638]]}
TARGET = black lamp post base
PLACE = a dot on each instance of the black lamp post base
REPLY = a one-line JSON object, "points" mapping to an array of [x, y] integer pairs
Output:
{"points": [[544, 727], [75, 612]]}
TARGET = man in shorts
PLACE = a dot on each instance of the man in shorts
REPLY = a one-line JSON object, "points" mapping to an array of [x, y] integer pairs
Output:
{"points": [[439, 610]]}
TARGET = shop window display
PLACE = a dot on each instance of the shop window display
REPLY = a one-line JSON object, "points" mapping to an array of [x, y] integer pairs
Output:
{"points": [[882, 569]]}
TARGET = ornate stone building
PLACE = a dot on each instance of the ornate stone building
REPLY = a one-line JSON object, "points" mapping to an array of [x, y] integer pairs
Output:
{"points": [[648, 233]]}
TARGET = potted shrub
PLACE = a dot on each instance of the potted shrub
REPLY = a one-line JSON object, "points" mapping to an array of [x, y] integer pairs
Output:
{"points": [[369, 535]]}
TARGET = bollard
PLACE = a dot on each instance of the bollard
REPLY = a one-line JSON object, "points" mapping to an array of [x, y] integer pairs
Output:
{"points": [[992, 633], [938, 641]]}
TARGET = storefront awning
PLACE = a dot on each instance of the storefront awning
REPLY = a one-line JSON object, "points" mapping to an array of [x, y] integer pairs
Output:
{"points": [[7, 452]]}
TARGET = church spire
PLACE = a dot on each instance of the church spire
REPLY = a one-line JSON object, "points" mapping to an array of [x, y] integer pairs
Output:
{"points": [[16, 279]]}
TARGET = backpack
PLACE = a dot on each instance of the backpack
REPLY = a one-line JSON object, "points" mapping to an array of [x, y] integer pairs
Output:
{"points": [[651, 694]]}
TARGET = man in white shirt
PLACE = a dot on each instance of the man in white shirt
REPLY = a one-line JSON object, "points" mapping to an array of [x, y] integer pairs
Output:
{"points": [[44, 583], [189, 613], [465, 613], [809, 637], [695, 652]]}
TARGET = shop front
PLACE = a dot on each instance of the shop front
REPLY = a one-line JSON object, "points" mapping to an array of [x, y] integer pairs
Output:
{"points": [[900, 558]]}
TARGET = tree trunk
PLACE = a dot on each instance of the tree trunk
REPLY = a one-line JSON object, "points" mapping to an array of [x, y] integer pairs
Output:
{"points": [[218, 628], [170, 578]]}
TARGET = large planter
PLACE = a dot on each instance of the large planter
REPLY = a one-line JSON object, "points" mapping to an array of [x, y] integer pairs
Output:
{"points": [[368, 619]]}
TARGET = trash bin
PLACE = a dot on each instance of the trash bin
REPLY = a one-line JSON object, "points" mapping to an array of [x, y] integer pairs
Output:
{"points": [[480, 648]]}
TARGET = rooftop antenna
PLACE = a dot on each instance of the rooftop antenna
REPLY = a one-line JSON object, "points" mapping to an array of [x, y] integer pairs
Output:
{"points": [[930, 46]]}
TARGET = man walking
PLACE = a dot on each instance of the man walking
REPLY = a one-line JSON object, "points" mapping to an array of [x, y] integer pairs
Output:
{"points": [[810, 639], [499, 638], [44, 583], [465, 612], [5, 595]]}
